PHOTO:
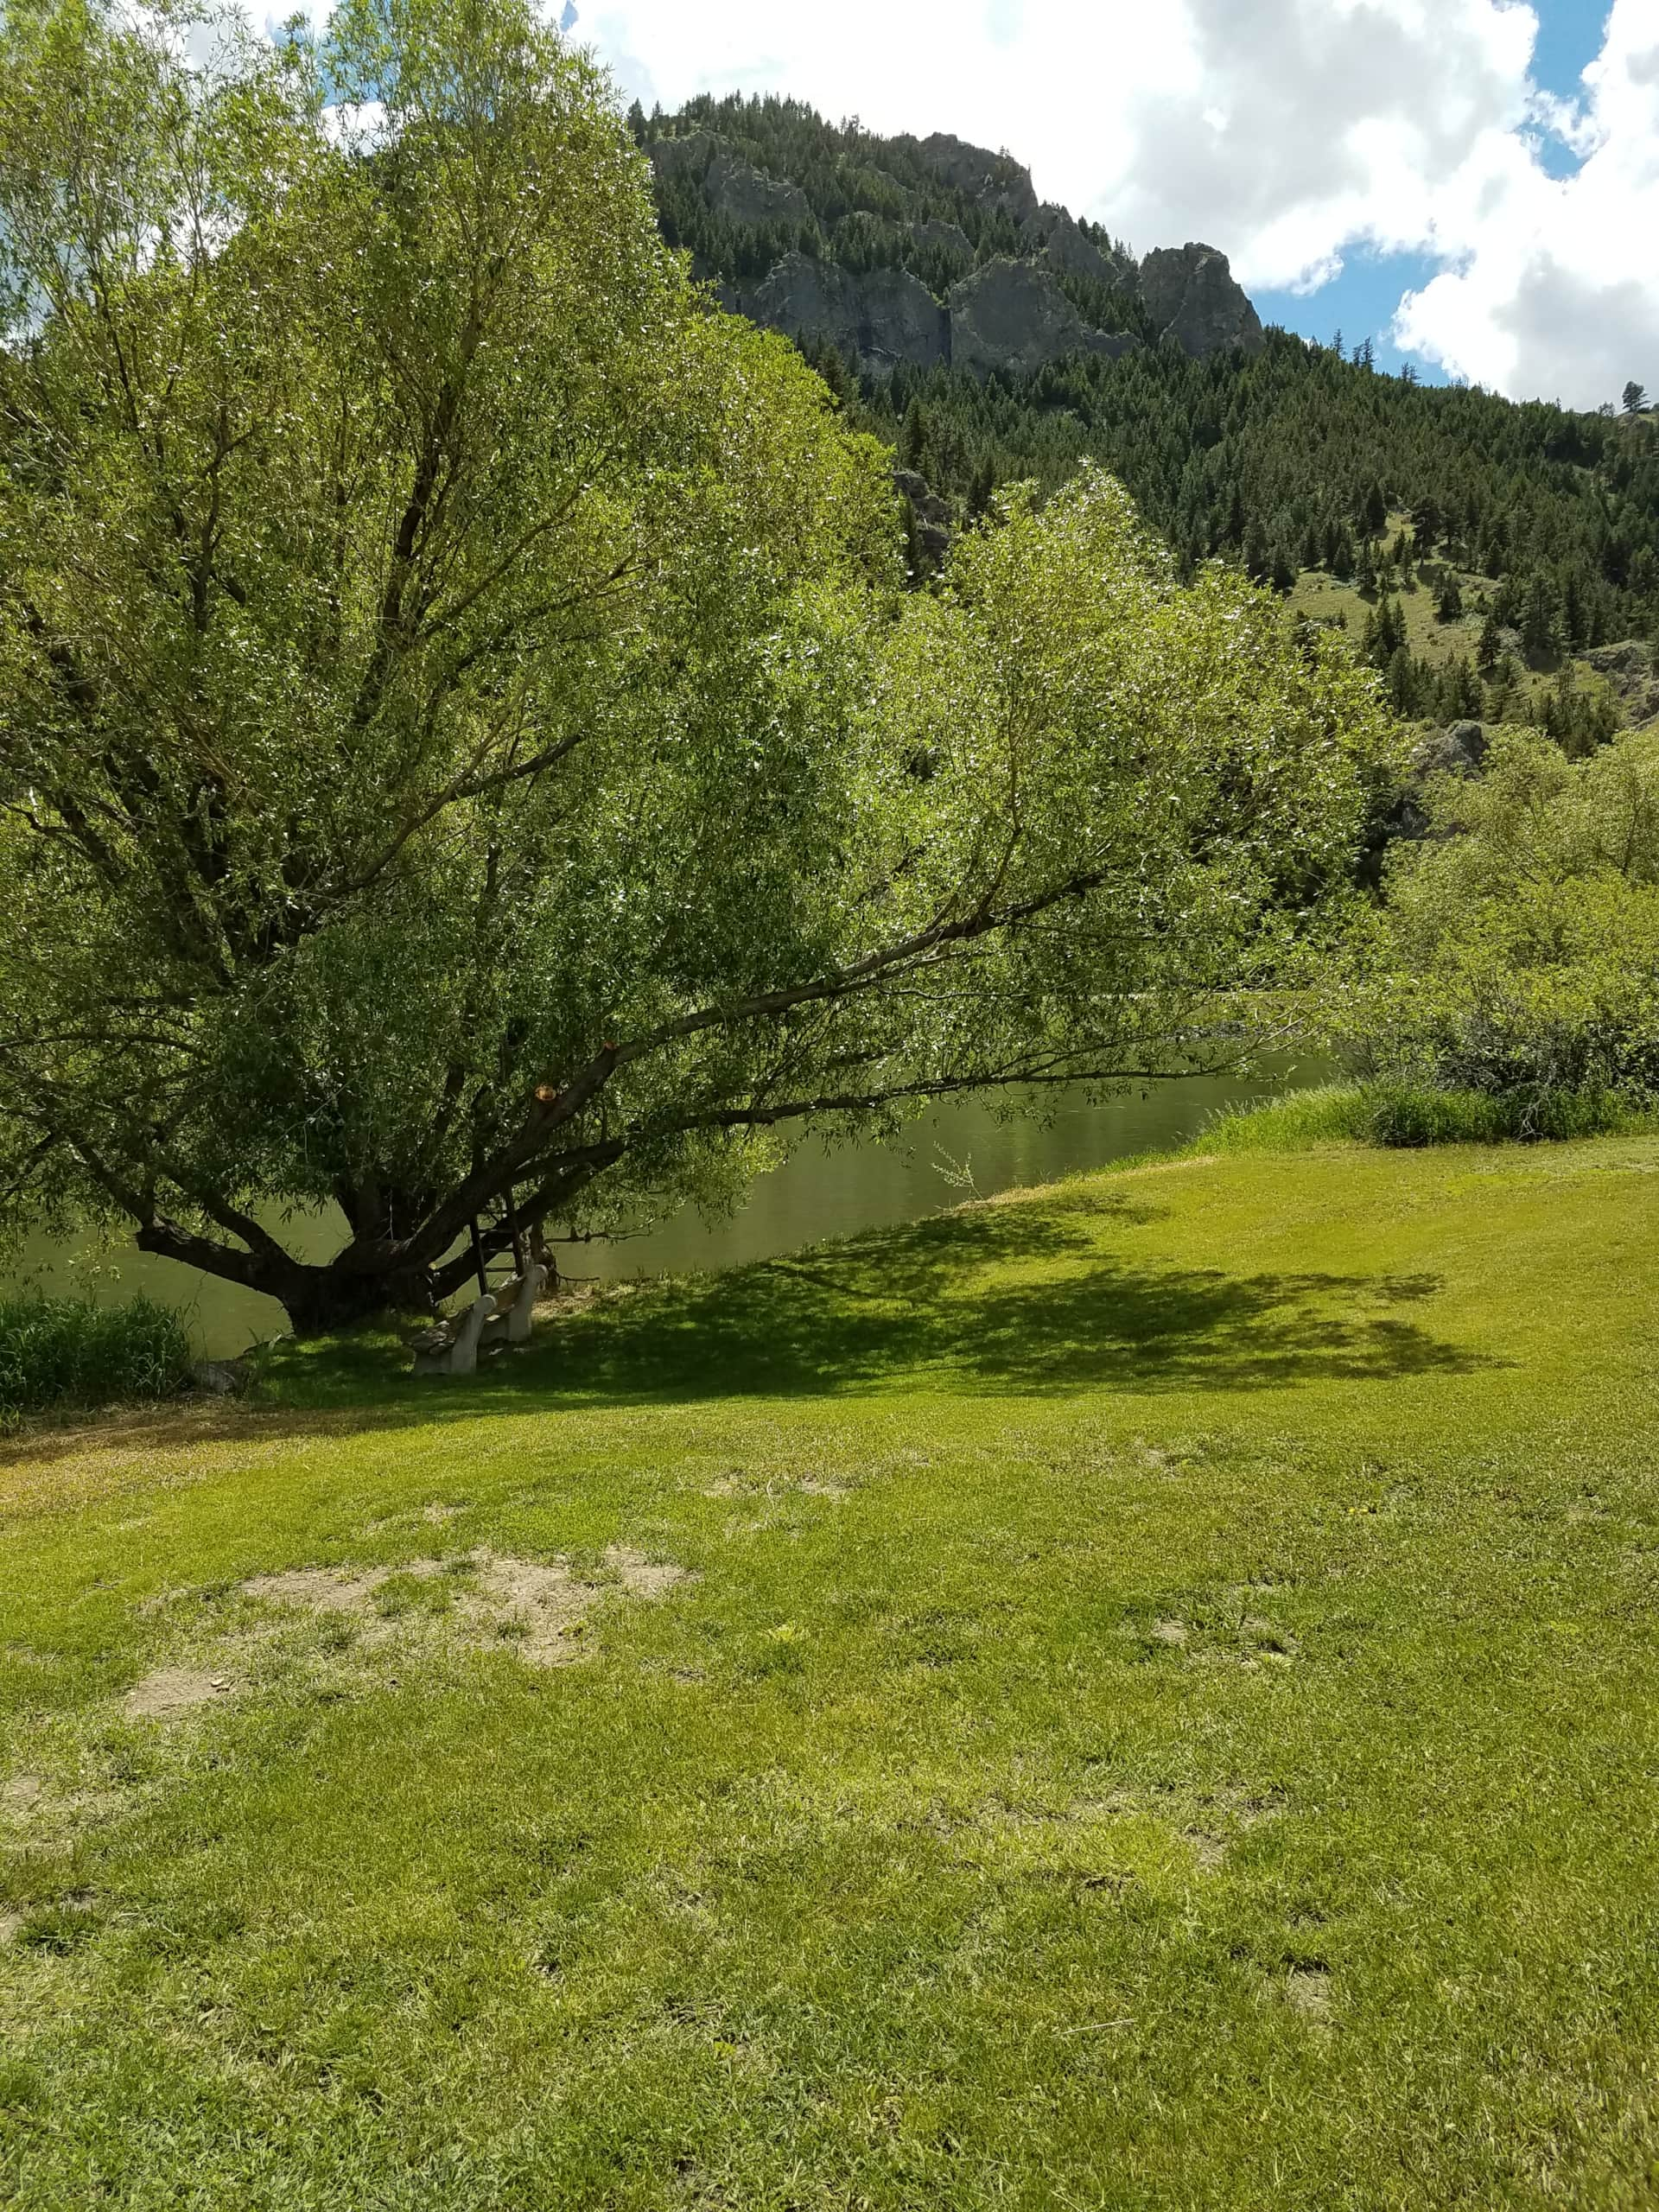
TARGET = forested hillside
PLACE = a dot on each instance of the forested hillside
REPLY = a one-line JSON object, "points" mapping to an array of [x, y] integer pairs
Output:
{"points": [[1534, 530], [1540, 527]]}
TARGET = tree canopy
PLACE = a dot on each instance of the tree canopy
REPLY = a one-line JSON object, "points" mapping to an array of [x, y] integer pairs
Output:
{"points": [[465, 749], [1518, 954]]}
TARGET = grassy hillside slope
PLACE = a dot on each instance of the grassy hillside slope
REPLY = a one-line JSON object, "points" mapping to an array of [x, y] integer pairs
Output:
{"points": [[1160, 1707]]}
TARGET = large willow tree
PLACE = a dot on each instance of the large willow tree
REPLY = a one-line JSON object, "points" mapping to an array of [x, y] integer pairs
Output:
{"points": [[465, 749]]}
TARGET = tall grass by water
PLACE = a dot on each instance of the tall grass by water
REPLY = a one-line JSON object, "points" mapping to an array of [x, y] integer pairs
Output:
{"points": [[67, 1351], [1399, 1114]]}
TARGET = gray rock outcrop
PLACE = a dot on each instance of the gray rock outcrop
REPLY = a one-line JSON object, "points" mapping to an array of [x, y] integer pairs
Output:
{"points": [[1069, 248], [934, 521], [900, 320], [1192, 297], [221, 1378], [1632, 668], [996, 181], [951, 237], [1458, 750], [809, 299], [877, 320], [1011, 315], [733, 186]]}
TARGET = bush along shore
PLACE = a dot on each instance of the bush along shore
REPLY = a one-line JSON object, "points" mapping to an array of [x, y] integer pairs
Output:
{"points": [[1393, 1114], [68, 1353]]}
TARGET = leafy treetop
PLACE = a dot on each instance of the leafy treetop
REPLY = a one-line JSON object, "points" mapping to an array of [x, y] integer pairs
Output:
{"points": [[466, 750]]}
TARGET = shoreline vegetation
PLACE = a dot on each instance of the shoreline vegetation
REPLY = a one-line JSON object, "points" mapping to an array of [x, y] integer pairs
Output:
{"points": [[68, 1355], [66, 1358], [1092, 1654], [1395, 1115]]}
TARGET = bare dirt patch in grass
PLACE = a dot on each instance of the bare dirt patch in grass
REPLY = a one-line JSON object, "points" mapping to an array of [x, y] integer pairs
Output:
{"points": [[487, 1598], [479, 1600], [170, 1691], [1210, 1851], [1308, 1990], [737, 1483]]}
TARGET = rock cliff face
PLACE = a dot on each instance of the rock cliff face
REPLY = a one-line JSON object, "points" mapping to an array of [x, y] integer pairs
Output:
{"points": [[901, 321], [877, 320], [807, 299], [1034, 283], [1068, 249], [1011, 314], [995, 180], [931, 515], [732, 186], [1191, 295], [949, 236], [1632, 668]]}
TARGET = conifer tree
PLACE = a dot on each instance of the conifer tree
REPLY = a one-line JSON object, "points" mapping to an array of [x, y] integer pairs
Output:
{"points": [[1539, 626]]}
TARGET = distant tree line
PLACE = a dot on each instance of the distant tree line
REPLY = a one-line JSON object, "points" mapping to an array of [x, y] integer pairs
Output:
{"points": [[1303, 459]]}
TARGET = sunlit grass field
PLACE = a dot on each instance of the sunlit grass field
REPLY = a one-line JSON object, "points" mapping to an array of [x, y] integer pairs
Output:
{"points": [[1146, 1694]]}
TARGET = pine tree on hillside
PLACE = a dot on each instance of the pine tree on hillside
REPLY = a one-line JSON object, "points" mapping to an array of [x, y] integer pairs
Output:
{"points": [[1538, 629], [1460, 697], [1504, 692], [913, 439]]}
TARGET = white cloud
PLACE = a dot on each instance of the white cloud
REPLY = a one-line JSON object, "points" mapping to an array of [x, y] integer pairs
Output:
{"points": [[1555, 284], [1048, 78], [1285, 131]]}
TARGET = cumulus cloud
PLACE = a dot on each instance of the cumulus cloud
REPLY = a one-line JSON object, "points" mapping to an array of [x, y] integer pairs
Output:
{"points": [[1048, 78], [1553, 282], [1285, 131]]}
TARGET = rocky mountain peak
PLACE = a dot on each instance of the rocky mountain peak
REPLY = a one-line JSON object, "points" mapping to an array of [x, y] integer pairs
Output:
{"points": [[997, 182], [1191, 296], [919, 249]]}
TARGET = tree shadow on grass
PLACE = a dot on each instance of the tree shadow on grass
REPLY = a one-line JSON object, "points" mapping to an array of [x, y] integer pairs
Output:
{"points": [[1015, 1299], [1001, 1299]]}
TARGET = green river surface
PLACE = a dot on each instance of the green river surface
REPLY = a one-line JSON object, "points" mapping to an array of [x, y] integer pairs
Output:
{"points": [[818, 1192]]}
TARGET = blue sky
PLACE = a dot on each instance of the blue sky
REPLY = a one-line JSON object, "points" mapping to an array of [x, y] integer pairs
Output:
{"points": [[1362, 301]]}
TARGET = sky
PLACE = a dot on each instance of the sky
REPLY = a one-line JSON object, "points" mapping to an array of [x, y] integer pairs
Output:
{"points": [[1474, 184]]}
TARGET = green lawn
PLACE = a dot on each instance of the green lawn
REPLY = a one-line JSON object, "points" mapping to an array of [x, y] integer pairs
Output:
{"points": [[1160, 1709]]}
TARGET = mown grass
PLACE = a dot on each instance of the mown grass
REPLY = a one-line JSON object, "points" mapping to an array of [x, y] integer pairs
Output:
{"points": [[67, 1351], [1166, 1715]]}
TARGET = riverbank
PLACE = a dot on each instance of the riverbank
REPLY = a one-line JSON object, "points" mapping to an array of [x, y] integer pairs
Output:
{"points": [[1140, 1693], [960, 1148]]}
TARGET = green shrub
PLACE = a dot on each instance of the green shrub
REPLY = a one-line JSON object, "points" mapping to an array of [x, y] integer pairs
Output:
{"points": [[67, 1351], [1328, 1114], [1515, 961], [1398, 1114]]}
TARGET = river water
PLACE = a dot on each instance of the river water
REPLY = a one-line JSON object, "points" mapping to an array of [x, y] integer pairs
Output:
{"points": [[960, 1150]]}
